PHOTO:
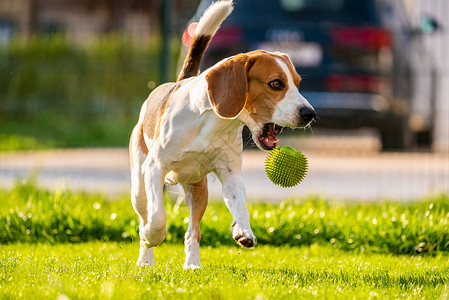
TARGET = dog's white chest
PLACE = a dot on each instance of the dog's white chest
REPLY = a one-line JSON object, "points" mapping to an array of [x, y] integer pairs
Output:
{"points": [[193, 167]]}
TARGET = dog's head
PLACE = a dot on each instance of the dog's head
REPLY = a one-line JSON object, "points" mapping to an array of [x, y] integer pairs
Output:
{"points": [[260, 89]]}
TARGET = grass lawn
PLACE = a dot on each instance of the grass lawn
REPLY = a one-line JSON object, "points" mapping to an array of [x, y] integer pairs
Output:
{"points": [[108, 271], [70, 245]]}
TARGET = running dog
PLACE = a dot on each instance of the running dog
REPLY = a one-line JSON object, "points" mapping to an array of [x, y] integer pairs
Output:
{"points": [[193, 127]]}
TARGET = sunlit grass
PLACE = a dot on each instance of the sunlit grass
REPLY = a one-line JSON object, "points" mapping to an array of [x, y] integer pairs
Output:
{"points": [[60, 244], [31, 214], [108, 271]]}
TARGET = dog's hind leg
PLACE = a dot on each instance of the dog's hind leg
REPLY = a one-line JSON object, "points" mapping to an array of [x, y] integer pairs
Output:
{"points": [[196, 199]]}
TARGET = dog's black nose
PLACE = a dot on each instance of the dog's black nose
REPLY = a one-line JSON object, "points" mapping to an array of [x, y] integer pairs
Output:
{"points": [[307, 114]]}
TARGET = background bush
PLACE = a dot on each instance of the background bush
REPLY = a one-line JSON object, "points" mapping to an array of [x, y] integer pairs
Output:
{"points": [[57, 94], [49, 74], [31, 214]]}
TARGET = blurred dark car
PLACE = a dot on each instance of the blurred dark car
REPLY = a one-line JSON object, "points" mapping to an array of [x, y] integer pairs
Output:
{"points": [[354, 57]]}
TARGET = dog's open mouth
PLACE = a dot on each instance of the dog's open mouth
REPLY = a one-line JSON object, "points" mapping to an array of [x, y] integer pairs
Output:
{"points": [[267, 138]]}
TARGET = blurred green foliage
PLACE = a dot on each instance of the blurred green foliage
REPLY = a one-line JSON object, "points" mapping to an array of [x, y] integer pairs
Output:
{"points": [[57, 94]]}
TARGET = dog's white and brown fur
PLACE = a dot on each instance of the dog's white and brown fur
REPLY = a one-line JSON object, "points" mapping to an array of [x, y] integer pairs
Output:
{"points": [[192, 127]]}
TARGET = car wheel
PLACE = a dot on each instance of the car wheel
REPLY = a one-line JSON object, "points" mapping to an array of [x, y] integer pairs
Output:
{"points": [[397, 136]]}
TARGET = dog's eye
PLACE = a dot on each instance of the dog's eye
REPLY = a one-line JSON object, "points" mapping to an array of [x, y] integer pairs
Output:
{"points": [[276, 85]]}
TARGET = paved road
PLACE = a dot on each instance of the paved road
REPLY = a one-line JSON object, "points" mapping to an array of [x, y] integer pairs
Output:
{"points": [[354, 176]]}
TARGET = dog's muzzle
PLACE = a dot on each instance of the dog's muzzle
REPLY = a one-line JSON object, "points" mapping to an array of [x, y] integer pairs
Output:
{"points": [[307, 115]]}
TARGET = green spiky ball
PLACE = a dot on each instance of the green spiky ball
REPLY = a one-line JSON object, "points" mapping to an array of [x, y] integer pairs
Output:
{"points": [[286, 166]]}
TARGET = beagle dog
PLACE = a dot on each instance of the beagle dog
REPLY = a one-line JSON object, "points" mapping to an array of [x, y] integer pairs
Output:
{"points": [[193, 127]]}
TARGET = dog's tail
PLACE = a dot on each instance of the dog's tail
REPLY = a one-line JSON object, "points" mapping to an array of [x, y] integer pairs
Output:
{"points": [[205, 30]]}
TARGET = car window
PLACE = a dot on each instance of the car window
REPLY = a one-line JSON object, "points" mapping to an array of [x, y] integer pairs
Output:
{"points": [[347, 11]]}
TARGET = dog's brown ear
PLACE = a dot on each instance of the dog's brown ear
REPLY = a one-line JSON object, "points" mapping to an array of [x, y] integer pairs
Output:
{"points": [[227, 85]]}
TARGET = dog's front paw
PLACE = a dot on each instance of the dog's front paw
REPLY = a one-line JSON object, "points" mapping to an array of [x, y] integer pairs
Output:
{"points": [[146, 255], [145, 263], [244, 238], [192, 266]]}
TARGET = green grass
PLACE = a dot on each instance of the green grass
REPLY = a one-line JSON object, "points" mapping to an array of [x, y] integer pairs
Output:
{"points": [[61, 244], [31, 214], [108, 271]]}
